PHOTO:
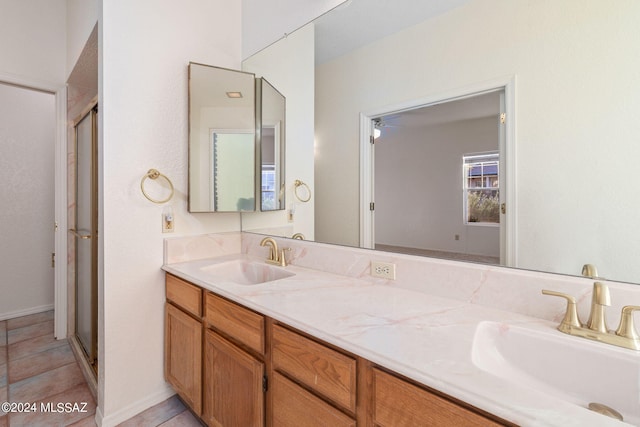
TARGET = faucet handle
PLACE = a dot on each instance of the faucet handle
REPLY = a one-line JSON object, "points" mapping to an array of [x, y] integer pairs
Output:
{"points": [[283, 259], [571, 316], [627, 328]]}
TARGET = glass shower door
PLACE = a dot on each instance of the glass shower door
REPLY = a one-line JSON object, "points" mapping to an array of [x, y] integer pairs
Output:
{"points": [[85, 233]]}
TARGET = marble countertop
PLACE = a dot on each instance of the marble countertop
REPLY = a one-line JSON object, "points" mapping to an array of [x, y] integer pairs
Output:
{"points": [[423, 337]]}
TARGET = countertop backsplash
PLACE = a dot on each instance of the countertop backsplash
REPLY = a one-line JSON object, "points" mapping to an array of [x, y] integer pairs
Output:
{"points": [[508, 289]]}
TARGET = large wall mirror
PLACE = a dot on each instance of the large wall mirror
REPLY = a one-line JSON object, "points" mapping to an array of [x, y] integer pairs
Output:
{"points": [[573, 106], [222, 139]]}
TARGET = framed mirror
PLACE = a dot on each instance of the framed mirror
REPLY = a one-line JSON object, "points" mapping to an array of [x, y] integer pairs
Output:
{"points": [[222, 139], [270, 116]]}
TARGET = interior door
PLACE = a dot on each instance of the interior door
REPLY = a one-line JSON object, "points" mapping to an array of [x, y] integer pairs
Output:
{"points": [[502, 138], [86, 235]]}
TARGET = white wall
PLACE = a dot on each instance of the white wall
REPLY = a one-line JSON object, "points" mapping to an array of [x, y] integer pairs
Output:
{"points": [[33, 54], [418, 192], [146, 46], [81, 17], [27, 141], [33, 39], [265, 22], [558, 124], [289, 66]]}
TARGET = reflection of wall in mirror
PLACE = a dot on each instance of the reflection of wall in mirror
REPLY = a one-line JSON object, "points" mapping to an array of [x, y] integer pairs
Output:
{"points": [[420, 170], [289, 66], [575, 69]]}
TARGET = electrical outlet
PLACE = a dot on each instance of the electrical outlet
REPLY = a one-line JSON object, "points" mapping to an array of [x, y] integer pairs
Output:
{"points": [[167, 223], [385, 270]]}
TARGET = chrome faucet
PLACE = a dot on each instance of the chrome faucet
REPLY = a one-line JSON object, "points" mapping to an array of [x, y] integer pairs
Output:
{"points": [[275, 257], [596, 328]]}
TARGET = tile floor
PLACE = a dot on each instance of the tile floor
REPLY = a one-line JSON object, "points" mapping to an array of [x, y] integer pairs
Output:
{"points": [[37, 369]]}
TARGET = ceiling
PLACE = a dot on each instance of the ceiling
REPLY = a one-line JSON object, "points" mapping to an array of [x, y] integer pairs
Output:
{"points": [[474, 107], [356, 23]]}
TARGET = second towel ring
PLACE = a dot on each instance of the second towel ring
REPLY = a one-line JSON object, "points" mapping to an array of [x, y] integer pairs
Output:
{"points": [[297, 184], [155, 174]]}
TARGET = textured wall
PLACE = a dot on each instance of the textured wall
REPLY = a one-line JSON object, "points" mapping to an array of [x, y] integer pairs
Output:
{"points": [[27, 138]]}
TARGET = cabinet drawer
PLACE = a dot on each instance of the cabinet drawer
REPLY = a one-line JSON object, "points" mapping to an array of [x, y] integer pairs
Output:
{"points": [[238, 322], [330, 373], [185, 295], [398, 403], [293, 406]]}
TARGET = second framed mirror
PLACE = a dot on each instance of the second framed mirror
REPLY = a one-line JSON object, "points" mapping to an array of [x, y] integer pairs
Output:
{"points": [[270, 125]]}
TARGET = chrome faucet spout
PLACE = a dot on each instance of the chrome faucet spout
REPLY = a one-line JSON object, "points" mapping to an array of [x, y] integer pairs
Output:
{"points": [[599, 300]]}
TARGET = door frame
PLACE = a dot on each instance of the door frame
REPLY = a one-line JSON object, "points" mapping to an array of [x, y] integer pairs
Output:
{"points": [[60, 178], [367, 156]]}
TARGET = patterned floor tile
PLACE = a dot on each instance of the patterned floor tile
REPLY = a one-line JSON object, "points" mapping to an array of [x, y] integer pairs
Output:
{"points": [[20, 322], [69, 406], [34, 345], [30, 331], [38, 363], [46, 384], [185, 419], [156, 415]]}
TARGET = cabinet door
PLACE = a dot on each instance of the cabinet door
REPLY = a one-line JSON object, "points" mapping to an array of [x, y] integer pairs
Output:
{"points": [[183, 355], [233, 393]]}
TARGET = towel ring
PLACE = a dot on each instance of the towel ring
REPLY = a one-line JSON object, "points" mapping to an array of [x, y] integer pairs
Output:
{"points": [[297, 184], [154, 174]]}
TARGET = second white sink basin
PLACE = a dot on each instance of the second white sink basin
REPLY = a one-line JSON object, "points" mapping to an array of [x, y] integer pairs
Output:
{"points": [[571, 369], [244, 272]]}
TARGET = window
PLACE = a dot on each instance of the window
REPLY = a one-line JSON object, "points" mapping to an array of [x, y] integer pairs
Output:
{"points": [[268, 187], [481, 187]]}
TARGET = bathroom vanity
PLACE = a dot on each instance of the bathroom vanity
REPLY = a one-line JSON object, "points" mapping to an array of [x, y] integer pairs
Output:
{"points": [[235, 366], [323, 341]]}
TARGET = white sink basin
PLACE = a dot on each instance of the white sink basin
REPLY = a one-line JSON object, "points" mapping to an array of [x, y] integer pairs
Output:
{"points": [[568, 368], [244, 272]]}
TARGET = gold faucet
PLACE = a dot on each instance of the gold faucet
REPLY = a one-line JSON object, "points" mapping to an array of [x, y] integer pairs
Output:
{"points": [[275, 257], [596, 328]]}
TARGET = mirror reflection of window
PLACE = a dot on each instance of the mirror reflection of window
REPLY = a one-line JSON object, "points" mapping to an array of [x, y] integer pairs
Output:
{"points": [[481, 188]]}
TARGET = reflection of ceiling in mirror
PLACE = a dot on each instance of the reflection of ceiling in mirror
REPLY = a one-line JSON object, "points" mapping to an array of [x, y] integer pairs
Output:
{"points": [[475, 107], [357, 23]]}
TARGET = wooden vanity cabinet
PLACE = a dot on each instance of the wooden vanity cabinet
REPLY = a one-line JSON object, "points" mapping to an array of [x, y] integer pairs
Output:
{"points": [[234, 369], [398, 403], [327, 372], [183, 341], [293, 406], [233, 384]]}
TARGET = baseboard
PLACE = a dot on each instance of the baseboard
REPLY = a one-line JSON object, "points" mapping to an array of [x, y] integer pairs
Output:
{"points": [[25, 312], [134, 409]]}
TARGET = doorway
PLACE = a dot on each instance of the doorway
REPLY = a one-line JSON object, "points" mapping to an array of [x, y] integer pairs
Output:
{"points": [[85, 232], [447, 161]]}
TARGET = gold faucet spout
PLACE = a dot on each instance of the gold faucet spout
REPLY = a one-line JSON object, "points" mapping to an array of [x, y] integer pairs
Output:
{"points": [[273, 248], [599, 300]]}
